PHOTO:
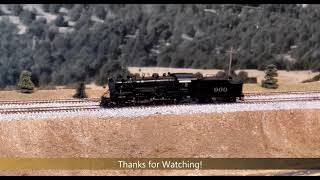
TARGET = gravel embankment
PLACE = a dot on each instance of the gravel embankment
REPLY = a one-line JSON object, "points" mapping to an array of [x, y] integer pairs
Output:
{"points": [[132, 112]]}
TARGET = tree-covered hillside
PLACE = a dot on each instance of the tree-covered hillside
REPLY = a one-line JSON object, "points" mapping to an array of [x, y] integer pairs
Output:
{"points": [[67, 43]]}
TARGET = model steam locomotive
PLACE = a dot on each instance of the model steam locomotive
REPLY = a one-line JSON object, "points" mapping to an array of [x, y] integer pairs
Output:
{"points": [[171, 88]]}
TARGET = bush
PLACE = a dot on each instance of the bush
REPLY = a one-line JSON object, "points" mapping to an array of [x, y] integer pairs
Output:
{"points": [[270, 81], [36, 29], [81, 91], [54, 8], [75, 13], [251, 80], [137, 75], [17, 9], [46, 7], [199, 75], [155, 75], [60, 22], [68, 6], [25, 84], [314, 79], [221, 74], [101, 12], [27, 16], [243, 76]]}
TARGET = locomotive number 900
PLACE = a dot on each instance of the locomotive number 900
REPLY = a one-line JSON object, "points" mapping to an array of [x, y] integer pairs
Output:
{"points": [[220, 89]]}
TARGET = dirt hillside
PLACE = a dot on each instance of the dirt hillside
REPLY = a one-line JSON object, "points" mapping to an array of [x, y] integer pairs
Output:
{"points": [[293, 133]]}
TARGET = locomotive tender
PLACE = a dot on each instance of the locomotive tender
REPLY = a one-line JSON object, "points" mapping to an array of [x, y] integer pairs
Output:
{"points": [[175, 88]]}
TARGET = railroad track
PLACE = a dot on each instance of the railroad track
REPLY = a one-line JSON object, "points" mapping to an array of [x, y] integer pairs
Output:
{"points": [[281, 93], [92, 104], [77, 108], [14, 102], [257, 100], [49, 101], [48, 109]]}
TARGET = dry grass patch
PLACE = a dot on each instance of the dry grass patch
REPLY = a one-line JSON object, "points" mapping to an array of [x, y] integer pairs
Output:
{"points": [[58, 93], [288, 80], [285, 77], [256, 88]]}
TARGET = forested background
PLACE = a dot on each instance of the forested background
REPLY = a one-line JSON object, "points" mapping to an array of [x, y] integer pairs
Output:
{"points": [[68, 43]]}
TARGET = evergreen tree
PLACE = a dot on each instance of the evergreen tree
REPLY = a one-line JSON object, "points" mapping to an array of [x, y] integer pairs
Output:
{"points": [[17, 9], [60, 21], [149, 35], [46, 7], [27, 16], [54, 8], [100, 12], [80, 92], [270, 81], [25, 84]]}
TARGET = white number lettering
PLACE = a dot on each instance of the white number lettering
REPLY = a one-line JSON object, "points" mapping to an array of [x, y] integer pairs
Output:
{"points": [[220, 89]]}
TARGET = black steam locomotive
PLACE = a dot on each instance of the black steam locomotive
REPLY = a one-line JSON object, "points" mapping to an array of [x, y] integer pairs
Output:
{"points": [[174, 88]]}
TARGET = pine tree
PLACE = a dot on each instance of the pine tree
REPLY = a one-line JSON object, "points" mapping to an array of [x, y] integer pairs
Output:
{"points": [[100, 12], [25, 84], [60, 22], [270, 81], [80, 92], [17, 9]]}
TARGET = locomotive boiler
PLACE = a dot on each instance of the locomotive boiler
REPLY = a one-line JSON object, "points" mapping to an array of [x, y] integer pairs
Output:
{"points": [[171, 88]]}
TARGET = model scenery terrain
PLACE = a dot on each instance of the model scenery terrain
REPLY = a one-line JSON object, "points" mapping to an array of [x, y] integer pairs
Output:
{"points": [[120, 81]]}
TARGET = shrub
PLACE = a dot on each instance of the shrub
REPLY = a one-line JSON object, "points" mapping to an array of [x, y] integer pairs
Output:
{"points": [[25, 84], [137, 75], [27, 16], [81, 91], [251, 80], [60, 22], [243, 76], [46, 7], [17, 9], [270, 81], [101, 12], [314, 79], [221, 74], [199, 75], [54, 8]]}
